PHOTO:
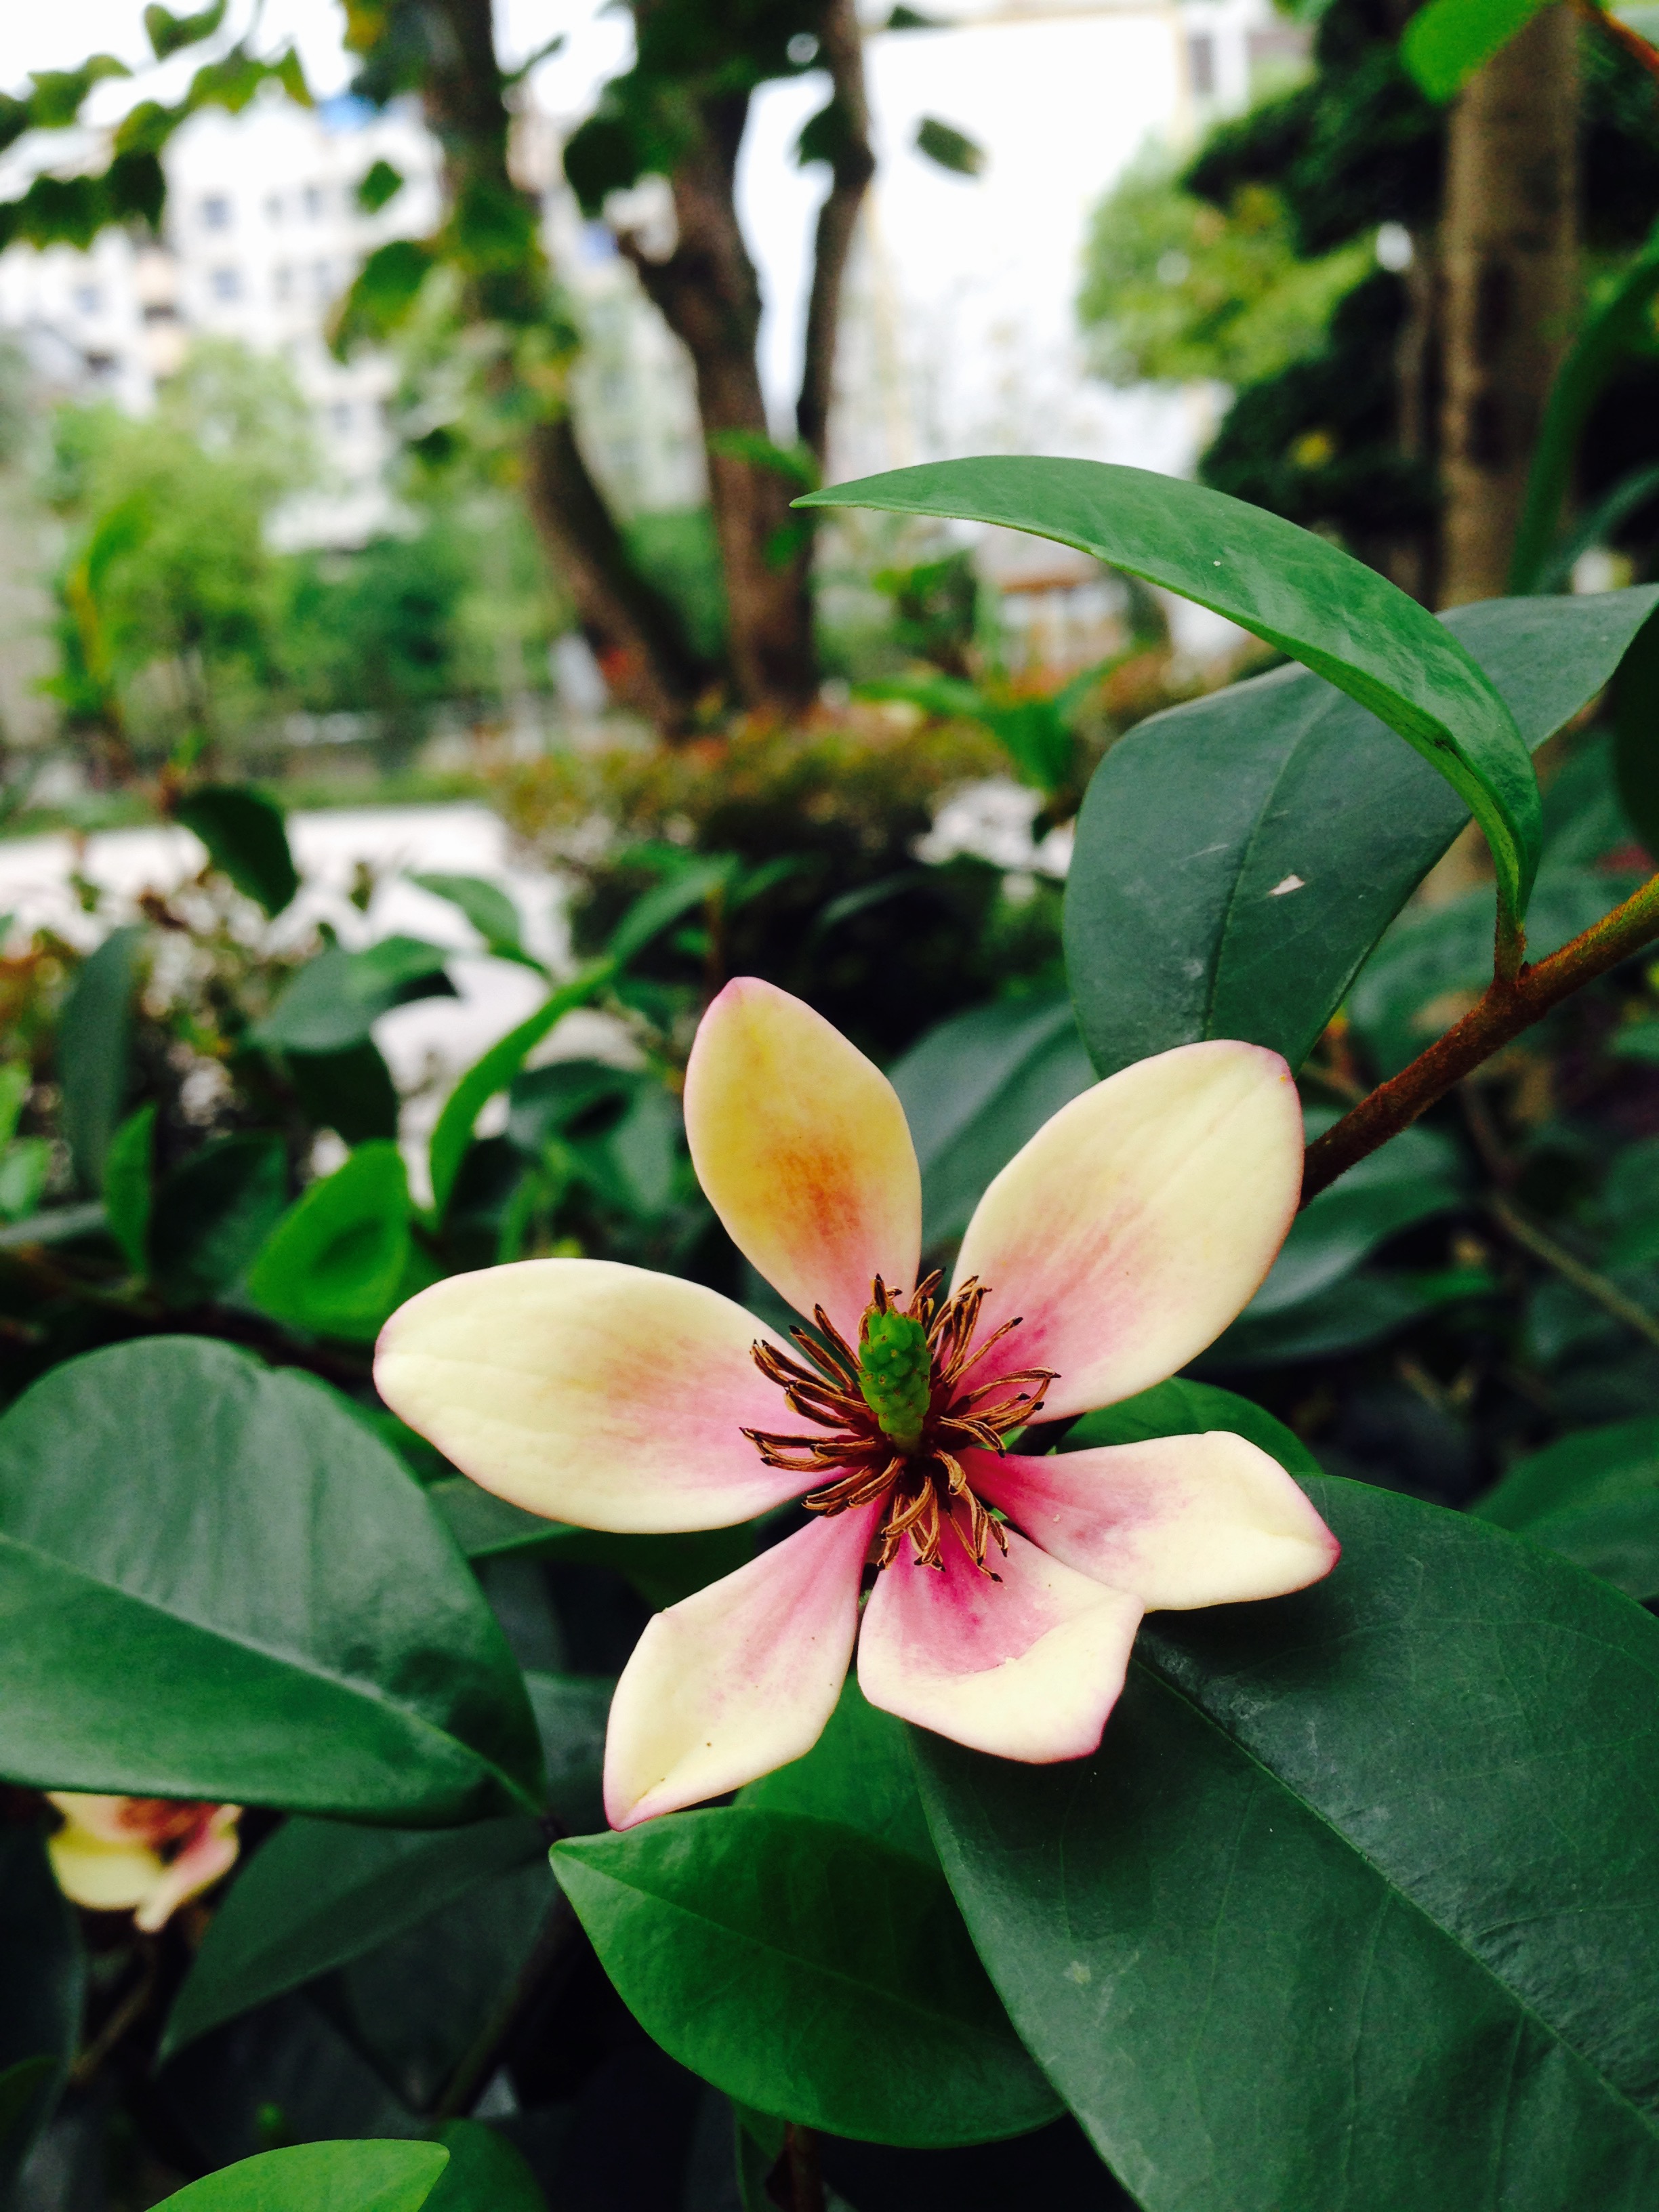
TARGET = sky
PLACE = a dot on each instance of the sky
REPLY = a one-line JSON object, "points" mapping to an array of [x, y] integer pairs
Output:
{"points": [[968, 283]]}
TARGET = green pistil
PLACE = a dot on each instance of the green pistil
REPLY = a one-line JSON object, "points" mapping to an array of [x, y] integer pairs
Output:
{"points": [[896, 1375]]}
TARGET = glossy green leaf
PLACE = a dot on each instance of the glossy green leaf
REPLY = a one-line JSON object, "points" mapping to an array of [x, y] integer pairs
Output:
{"points": [[321, 2177], [1238, 857], [211, 1215], [489, 910], [129, 1185], [1358, 1902], [349, 1091], [485, 2173], [452, 1134], [859, 1773], [1366, 1308], [246, 834], [806, 1969], [1298, 592], [218, 1584], [571, 1711], [663, 1569], [335, 999], [975, 1088], [1447, 41], [43, 1974], [1184, 1408], [339, 1260], [320, 1892], [94, 1041], [1636, 736], [654, 910], [1594, 1497]]}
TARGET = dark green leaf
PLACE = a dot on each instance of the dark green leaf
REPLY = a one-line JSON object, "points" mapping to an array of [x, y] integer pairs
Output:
{"points": [[1182, 1408], [488, 907], [1594, 1497], [212, 1214], [129, 1188], [350, 1092], [218, 1584], [320, 1892], [571, 1711], [1409, 1179], [1447, 41], [247, 836], [1636, 735], [452, 1132], [663, 1569], [339, 1260], [336, 999], [485, 2173], [654, 910], [1298, 592], [167, 32], [93, 1043], [805, 1969], [1362, 1309], [1356, 1904], [1238, 858], [43, 1973], [950, 148], [322, 2177], [975, 1089], [378, 184], [859, 1773]]}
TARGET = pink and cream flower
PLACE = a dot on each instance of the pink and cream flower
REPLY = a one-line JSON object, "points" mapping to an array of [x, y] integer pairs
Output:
{"points": [[1007, 1588], [145, 1855]]}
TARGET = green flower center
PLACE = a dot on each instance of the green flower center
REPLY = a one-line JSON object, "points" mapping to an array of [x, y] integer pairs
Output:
{"points": [[895, 1376]]}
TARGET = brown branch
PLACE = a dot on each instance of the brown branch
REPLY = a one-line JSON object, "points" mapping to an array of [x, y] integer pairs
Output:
{"points": [[1508, 1007], [841, 48]]}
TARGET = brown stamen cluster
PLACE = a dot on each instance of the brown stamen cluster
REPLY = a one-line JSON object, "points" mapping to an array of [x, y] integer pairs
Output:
{"points": [[928, 1482]]}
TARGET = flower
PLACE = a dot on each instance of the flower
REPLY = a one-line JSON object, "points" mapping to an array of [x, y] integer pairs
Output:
{"points": [[146, 1856], [1108, 1253]]}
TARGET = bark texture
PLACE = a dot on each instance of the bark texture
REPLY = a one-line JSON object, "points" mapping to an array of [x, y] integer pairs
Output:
{"points": [[635, 632], [1509, 254]]}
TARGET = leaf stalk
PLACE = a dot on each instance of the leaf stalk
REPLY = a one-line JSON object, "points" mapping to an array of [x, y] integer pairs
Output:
{"points": [[1512, 1003]]}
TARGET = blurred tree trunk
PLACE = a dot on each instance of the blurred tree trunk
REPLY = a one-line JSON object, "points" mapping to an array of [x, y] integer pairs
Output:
{"points": [[709, 293], [1510, 261], [494, 232]]}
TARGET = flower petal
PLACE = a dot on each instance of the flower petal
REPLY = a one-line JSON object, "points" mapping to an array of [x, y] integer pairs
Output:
{"points": [[590, 1391], [1139, 1221], [1027, 1668], [104, 1877], [209, 1856], [740, 1678], [1177, 1521], [803, 1149]]}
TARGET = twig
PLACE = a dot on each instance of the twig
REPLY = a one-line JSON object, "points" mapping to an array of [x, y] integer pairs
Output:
{"points": [[550, 1959], [796, 2182], [1606, 1295], [1510, 1005]]}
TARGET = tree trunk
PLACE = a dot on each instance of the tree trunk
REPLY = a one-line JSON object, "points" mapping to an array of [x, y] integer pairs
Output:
{"points": [[853, 165], [635, 631], [1509, 243]]}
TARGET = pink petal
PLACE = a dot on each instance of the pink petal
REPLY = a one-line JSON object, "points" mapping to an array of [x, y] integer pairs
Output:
{"points": [[740, 1678], [1139, 1221], [590, 1391], [1177, 1521], [1027, 1668], [206, 1859], [803, 1149]]}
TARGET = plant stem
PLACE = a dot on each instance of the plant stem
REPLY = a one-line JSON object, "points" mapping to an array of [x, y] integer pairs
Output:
{"points": [[1606, 1295], [799, 2171], [1508, 1007]]}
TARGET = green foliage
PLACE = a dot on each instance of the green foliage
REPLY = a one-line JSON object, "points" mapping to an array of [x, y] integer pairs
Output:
{"points": [[1445, 43], [45, 1979], [1175, 288], [950, 148], [348, 2177], [342, 1257], [246, 837], [909, 2043]]}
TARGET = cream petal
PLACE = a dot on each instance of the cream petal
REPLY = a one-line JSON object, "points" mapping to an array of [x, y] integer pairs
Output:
{"points": [[1177, 1521], [1027, 1668], [740, 1678], [802, 1148], [1139, 1221], [102, 1876], [591, 1392]]}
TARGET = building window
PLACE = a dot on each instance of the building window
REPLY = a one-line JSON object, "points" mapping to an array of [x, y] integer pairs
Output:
{"points": [[160, 311], [88, 300], [312, 200], [1201, 64], [282, 281], [215, 212], [225, 284]]}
